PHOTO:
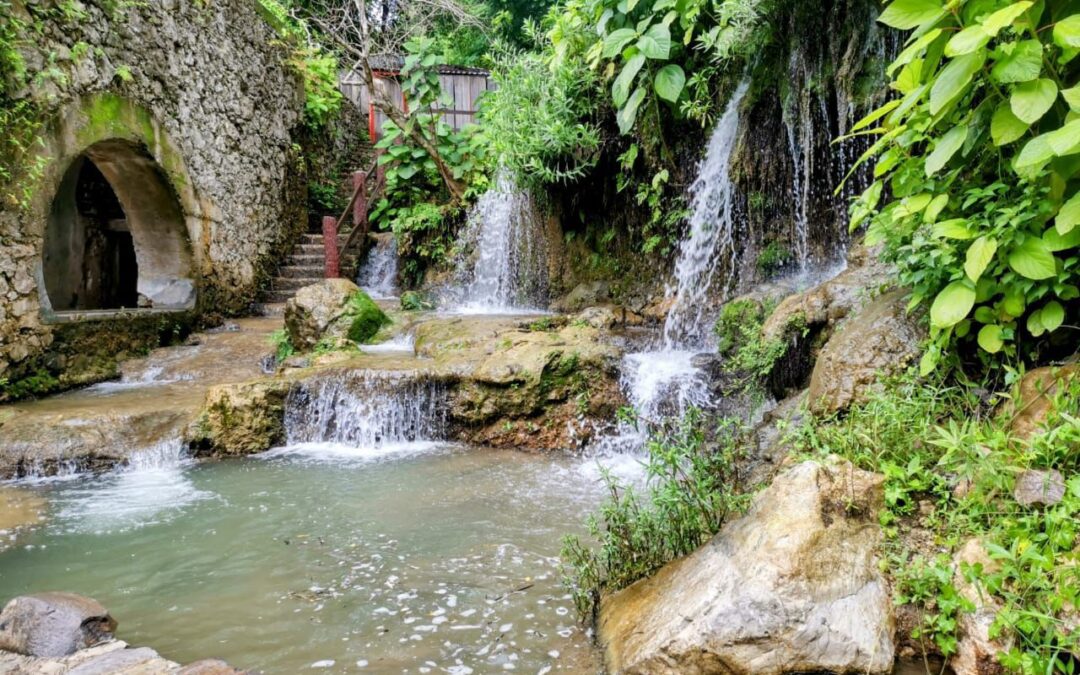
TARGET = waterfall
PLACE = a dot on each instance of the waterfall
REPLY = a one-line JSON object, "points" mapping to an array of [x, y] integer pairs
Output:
{"points": [[378, 274], [668, 381], [507, 272], [709, 248], [799, 122], [366, 409]]}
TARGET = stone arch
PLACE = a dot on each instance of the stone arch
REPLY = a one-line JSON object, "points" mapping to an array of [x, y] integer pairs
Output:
{"points": [[115, 236]]}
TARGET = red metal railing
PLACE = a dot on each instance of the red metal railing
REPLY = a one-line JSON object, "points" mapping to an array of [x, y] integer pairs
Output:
{"points": [[358, 206]]}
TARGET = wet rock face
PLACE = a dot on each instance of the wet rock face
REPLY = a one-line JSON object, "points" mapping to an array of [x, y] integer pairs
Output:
{"points": [[792, 586], [242, 419], [877, 340], [53, 624]]}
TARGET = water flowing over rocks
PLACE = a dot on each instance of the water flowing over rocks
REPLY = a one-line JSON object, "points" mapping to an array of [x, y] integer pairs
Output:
{"points": [[792, 586], [877, 340]]}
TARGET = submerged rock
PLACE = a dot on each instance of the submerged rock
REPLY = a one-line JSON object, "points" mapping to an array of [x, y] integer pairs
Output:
{"points": [[792, 586], [332, 308], [53, 624], [878, 339]]}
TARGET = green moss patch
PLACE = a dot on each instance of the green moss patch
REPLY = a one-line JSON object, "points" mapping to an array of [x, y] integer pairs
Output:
{"points": [[366, 318]]}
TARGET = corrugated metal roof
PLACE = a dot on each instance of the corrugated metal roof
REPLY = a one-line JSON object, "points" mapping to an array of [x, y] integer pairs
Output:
{"points": [[396, 63]]}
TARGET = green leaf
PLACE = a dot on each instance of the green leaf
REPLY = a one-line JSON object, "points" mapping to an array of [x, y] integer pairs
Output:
{"points": [[669, 82], [1014, 303], [877, 114], [1031, 100], [1072, 97], [1005, 16], [1005, 127], [620, 88], [1035, 153], [627, 115], [1019, 62], [967, 41], [1069, 215], [952, 304], [656, 43], [1066, 140], [616, 40], [954, 228], [934, 209], [1033, 260], [990, 338], [907, 14], [945, 148], [913, 50], [1034, 323], [1055, 241], [1052, 316], [979, 255], [954, 79], [1067, 32]]}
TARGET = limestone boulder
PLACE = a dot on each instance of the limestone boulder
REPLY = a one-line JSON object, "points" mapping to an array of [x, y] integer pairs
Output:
{"points": [[791, 586], [1039, 488], [53, 624], [976, 652], [332, 308], [585, 294], [242, 419], [881, 338]]}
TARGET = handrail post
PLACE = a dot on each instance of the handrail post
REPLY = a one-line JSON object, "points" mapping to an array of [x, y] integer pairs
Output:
{"points": [[330, 247], [359, 179], [380, 170]]}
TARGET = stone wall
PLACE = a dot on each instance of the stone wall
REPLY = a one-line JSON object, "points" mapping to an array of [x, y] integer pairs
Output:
{"points": [[202, 90]]}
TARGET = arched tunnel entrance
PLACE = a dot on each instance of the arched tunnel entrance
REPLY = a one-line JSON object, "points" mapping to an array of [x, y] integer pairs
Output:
{"points": [[115, 237]]}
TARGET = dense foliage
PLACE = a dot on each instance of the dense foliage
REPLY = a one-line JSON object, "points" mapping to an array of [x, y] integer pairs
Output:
{"points": [[976, 195], [950, 468]]}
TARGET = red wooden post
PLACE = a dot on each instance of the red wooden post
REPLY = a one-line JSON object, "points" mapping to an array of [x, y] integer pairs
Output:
{"points": [[359, 214], [330, 245]]}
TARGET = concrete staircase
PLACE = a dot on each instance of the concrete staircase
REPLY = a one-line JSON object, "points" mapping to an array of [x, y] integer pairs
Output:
{"points": [[305, 266]]}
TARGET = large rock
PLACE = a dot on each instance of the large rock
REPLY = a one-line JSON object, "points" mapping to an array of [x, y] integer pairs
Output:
{"points": [[334, 308], [241, 419], [792, 586], [879, 339], [53, 624], [976, 652]]}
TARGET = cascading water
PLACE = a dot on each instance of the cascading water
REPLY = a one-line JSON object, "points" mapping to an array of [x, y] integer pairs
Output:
{"points": [[378, 274], [364, 414], [668, 381], [508, 270]]}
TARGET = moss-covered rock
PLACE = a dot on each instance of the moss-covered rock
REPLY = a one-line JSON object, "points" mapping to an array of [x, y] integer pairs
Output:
{"points": [[331, 309], [364, 318], [242, 419]]}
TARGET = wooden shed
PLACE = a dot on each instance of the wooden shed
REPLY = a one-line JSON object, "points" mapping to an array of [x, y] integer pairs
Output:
{"points": [[461, 83]]}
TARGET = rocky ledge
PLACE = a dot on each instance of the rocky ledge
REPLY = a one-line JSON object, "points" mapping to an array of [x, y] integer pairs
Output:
{"points": [[64, 633]]}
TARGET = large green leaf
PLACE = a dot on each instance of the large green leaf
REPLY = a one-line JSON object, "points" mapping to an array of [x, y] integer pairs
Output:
{"points": [[1066, 140], [1035, 154], [1005, 127], [1005, 16], [911, 51], [979, 255], [967, 41], [656, 43], [1067, 32], [954, 228], [620, 89], [908, 14], [1031, 100], [616, 40], [952, 304], [1020, 62], [627, 115], [1052, 315], [990, 338], [1055, 241], [1072, 97], [945, 148], [1033, 259], [1069, 215], [954, 79], [669, 82]]}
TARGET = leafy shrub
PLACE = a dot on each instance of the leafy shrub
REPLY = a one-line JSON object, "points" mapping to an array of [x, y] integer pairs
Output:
{"points": [[692, 488], [975, 193], [282, 344], [412, 301], [535, 123]]}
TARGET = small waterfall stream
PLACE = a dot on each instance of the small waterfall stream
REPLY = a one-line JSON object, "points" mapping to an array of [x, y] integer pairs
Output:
{"points": [[507, 272], [378, 274]]}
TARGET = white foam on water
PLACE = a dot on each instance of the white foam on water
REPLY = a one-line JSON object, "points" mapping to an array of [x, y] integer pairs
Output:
{"points": [[151, 488], [405, 343], [329, 452]]}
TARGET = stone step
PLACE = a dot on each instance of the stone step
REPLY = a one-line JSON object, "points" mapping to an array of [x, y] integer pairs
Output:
{"points": [[305, 271], [273, 298], [294, 283], [270, 309]]}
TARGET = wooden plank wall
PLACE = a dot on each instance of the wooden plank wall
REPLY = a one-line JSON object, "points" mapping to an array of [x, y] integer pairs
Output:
{"points": [[463, 89]]}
